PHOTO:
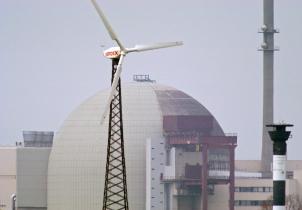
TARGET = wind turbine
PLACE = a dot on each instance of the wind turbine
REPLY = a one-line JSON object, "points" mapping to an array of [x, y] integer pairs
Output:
{"points": [[120, 52], [115, 189]]}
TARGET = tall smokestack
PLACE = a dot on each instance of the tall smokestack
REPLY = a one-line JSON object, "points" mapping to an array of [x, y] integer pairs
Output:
{"points": [[268, 82]]}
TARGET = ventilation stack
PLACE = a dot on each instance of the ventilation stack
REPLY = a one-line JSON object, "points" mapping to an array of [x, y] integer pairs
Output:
{"points": [[268, 49]]}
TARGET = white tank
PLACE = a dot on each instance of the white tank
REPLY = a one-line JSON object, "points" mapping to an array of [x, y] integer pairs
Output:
{"points": [[77, 161]]}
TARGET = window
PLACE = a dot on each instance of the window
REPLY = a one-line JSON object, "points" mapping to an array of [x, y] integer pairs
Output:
{"points": [[267, 189], [253, 189], [251, 202]]}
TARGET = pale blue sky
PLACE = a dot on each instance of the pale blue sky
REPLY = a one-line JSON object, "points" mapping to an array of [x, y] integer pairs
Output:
{"points": [[51, 60]]}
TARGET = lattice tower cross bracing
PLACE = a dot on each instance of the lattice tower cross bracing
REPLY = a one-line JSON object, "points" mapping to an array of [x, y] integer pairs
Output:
{"points": [[115, 190]]}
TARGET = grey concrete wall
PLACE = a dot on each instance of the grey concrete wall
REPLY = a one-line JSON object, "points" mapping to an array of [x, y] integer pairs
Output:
{"points": [[182, 158], [32, 164]]}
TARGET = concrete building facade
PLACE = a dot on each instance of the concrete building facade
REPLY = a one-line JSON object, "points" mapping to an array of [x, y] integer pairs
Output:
{"points": [[7, 176], [252, 193], [23, 172]]}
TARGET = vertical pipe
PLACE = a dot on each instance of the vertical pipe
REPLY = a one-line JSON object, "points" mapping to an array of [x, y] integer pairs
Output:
{"points": [[279, 137], [268, 82], [204, 184], [232, 177], [13, 201]]}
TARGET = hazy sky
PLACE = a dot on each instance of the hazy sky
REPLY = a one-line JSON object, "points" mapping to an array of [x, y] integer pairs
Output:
{"points": [[51, 60]]}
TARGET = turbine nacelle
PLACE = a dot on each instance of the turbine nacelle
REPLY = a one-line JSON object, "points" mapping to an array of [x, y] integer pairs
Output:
{"points": [[112, 52]]}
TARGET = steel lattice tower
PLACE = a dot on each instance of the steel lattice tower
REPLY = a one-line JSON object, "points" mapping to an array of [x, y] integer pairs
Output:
{"points": [[115, 190]]}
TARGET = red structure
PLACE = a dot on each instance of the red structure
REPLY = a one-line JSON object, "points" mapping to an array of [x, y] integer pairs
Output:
{"points": [[206, 145]]}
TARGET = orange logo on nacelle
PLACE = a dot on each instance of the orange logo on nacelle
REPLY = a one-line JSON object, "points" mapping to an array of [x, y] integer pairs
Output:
{"points": [[113, 52]]}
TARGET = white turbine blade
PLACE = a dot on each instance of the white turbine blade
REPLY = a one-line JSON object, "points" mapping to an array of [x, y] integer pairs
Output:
{"points": [[140, 48], [113, 87], [107, 25]]}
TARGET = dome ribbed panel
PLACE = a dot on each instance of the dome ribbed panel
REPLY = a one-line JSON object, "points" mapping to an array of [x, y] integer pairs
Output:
{"points": [[77, 160]]}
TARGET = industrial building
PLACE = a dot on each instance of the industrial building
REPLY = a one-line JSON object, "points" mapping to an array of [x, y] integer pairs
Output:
{"points": [[177, 158], [23, 171], [79, 151]]}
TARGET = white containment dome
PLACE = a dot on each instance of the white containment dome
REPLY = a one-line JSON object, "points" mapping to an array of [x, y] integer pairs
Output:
{"points": [[78, 157]]}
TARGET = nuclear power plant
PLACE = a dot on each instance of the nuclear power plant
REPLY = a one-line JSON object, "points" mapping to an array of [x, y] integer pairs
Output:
{"points": [[178, 157], [171, 153]]}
